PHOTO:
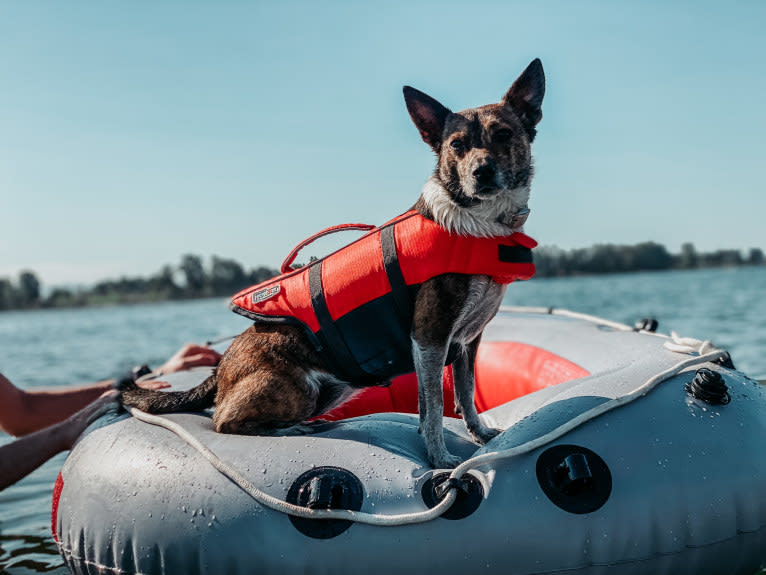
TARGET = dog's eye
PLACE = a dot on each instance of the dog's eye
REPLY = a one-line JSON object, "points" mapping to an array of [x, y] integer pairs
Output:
{"points": [[503, 135], [457, 145]]}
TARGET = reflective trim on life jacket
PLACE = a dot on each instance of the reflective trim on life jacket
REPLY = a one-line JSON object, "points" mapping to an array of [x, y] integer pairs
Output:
{"points": [[357, 303]]}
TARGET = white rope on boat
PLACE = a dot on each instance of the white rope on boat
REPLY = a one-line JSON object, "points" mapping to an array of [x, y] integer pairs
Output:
{"points": [[688, 344], [568, 313], [283, 506], [707, 353], [586, 416]]}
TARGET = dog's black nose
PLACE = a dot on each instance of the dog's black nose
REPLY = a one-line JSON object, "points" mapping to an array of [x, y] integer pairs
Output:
{"points": [[485, 174]]}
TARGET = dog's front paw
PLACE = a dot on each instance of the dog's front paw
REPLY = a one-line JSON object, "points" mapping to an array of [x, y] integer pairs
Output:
{"points": [[483, 434], [444, 461]]}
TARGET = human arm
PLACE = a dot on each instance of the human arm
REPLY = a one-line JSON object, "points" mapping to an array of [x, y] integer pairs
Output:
{"points": [[24, 455], [25, 411]]}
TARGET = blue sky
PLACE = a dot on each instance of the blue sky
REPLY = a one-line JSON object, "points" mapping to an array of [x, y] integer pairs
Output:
{"points": [[134, 132]]}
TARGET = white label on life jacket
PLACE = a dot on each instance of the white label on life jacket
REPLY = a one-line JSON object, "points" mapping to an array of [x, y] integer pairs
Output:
{"points": [[266, 293]]}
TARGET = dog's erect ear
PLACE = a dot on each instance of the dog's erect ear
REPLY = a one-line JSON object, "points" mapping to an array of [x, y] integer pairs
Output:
{"points": [[526, 95], [428, 115]]}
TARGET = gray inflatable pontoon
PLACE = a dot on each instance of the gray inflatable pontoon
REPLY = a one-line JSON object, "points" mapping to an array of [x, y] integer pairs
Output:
{"points": [[646, 456]]}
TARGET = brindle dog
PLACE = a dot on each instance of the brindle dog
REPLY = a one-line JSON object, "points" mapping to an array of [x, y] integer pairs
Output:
{"points": [[272, 377]]}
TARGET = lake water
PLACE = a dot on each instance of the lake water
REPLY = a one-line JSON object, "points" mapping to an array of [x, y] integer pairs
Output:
{"points": [[59, 347]]}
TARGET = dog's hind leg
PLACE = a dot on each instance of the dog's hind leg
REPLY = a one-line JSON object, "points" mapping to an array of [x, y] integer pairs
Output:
{"points": [[463, 371], [272, 402], [261, 400], [332, 392]]}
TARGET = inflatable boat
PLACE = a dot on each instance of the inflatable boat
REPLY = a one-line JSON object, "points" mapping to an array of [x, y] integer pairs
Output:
{"points": [[623, 451]]}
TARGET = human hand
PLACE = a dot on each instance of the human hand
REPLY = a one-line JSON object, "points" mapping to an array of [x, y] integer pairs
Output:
{"points": [[190, 355], [75, 424], [152, 384]]}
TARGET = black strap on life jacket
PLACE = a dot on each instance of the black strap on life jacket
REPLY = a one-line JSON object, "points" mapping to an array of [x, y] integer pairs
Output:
{"points": [[336, 352], [399, 289], [340, 359], [514, 254]]}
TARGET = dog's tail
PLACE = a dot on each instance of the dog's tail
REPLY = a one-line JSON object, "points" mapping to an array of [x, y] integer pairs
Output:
{"points": [[195, 399]]}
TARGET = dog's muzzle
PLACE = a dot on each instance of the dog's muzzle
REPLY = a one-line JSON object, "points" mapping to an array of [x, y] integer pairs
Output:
{"points": [[484, 178]]}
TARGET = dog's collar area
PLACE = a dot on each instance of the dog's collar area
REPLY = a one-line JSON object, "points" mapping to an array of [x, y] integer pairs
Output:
{"points": [[517, 219]]}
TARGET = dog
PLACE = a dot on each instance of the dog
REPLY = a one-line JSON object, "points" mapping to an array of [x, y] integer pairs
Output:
{"points": [[273, 376]]}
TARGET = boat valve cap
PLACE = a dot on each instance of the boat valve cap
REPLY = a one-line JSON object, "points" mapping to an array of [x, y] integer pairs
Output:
{"points": [[325, 488], [649, 324], [708, 386], [574, 478], [573, 475]]}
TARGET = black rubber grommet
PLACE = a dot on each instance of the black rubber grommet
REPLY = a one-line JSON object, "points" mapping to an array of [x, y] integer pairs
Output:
{"points": [[470, 494]]}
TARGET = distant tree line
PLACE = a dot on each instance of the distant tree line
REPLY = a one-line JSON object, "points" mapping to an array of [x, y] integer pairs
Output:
{"points": [[191, 279], [647, 256]]}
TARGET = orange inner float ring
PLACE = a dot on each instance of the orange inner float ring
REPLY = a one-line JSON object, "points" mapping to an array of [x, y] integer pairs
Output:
{"points": [[505, 370]]}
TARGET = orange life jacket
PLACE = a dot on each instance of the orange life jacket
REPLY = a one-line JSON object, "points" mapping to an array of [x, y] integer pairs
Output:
{"points": [[357, 303]]}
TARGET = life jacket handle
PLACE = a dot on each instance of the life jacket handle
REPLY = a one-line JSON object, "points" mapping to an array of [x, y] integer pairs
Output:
{"points": [[287, 264]]}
